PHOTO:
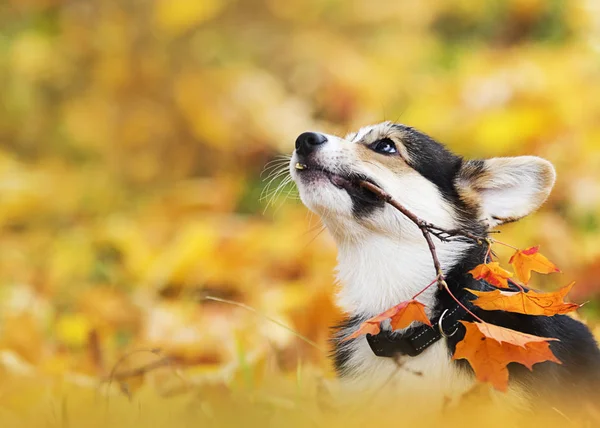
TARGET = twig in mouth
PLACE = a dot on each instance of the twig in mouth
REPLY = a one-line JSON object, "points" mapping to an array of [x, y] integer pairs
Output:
{"points": [[421, 224], [429, 229]]}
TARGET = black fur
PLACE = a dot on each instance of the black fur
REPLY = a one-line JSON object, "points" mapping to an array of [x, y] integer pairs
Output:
{"points": [[432, 160], [363, 201], [442, 167], [341, 351]]}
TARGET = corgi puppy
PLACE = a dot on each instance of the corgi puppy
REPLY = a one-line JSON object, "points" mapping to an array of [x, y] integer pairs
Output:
{"points": [[383, 259]]}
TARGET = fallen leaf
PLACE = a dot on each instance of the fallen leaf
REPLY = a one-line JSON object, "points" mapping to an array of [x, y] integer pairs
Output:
{"points": [[371, 326], [73, 329], [530, 303], [365, 328], [402, 315], [525, 261], [490, 348], [407, 313], [492, 273]]}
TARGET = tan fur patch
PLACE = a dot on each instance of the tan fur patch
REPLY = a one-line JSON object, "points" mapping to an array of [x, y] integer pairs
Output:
{"points": [[397, 164], [470, 181], [470, 197], [547, 178]]}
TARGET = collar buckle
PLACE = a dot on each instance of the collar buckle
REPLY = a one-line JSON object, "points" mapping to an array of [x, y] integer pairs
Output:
{"points": [[441, 329]]}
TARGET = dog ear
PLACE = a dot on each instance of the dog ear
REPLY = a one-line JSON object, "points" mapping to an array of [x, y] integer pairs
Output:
{"points": [[505, 189]]}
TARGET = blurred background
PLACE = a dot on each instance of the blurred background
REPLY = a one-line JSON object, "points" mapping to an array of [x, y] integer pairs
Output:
{"points": [[133, 136]]}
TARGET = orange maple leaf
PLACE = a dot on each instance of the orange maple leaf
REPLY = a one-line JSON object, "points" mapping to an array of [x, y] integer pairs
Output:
{"points": [[402, 315], [490, 348], [492, 273], [525, 261], [530, 303], [407, 313]]}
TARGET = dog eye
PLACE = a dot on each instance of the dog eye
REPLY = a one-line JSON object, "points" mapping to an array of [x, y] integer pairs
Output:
{"points": [[385, 147]]}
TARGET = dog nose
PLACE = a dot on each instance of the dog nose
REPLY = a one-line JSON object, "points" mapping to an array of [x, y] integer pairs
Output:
{"points": [[309, 141]]}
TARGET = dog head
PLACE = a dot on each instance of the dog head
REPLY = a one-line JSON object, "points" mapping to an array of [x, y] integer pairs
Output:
{"points": [[420, 173]]}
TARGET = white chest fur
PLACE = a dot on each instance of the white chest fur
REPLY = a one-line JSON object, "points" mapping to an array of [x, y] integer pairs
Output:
{"points": [[376, 274]]}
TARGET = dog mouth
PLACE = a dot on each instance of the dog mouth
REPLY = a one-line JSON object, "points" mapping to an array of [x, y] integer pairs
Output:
{"points": [[350, 182]]}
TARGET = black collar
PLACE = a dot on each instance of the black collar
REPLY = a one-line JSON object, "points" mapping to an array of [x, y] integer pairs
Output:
{"points": [[389, 344]]}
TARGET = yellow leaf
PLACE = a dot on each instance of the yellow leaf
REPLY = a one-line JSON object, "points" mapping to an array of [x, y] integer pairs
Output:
{"points": [[492, 273], [525, 261], [177, 16], [73, 329], [490, 348], [530, 303]]}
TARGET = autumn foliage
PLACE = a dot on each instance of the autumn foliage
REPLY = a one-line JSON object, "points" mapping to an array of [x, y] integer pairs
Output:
{"points": [[133, 135], [526, 302], [492, 273], [487, 347], [400, 316], [531, 260]]}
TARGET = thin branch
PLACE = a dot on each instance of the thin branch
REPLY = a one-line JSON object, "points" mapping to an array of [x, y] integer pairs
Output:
{"points": [[460, 304], [138, 371], [439, 232], [516, 284], [112, 375], [422, 225], [424, 289], [428, 229], [505, 244], [488, 254]]}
